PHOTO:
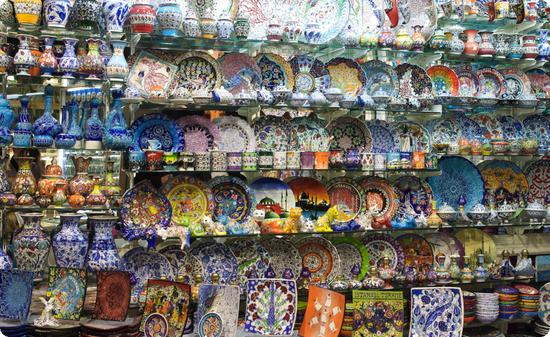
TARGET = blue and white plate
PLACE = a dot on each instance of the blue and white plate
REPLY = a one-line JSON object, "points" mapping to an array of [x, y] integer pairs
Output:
{"points": [[444, 130], [232, 198], [537, 127], [18, 283], [272, 133], [157, 127], [385, 138], [217, 258], [469, 128], [436, 312], [511, 127], [381, 79]]}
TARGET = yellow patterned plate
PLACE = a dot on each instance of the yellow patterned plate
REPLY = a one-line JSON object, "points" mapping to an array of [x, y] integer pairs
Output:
{"points": [[275, 71], [346, 74], [191, 199], [475, 242]]}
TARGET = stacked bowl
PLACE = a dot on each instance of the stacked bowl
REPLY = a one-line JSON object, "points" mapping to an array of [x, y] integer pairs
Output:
{"points": [[469, 307], [487, 307], [508, 302], [528, 300]]}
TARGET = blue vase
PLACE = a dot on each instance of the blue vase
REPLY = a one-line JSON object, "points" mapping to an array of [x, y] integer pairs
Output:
{"points": [[6, 119], [64, 140], [116, 135], [93, 134], [70, 245], [74, 127], [543, 46], [69, 63], [31, 245], [46, 127], [115, 13], [56, 13], [169, 18], [103, 254]]}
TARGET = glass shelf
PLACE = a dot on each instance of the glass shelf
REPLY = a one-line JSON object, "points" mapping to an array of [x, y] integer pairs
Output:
{"points": [[419, 171], [57, 208], [507, 25], [59, 33], [57, 82]]}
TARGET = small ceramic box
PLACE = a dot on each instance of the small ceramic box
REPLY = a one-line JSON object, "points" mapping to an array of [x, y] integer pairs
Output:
{"points": [[307, 160], [293, 160], [250, 161], [265, 160], [219, 161]]}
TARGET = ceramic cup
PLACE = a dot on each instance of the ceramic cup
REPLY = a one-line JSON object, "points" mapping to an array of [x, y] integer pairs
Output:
{"points": [[321, 160], [187, 161], [202, 161], [154, 159], [392, 160], [418, 160], [379, 161], [405, 160], [265, 160], [170, 160], [219, 161], [136, 160], [353, 159], [250, 161], [307, 160], [234, 161], [293, 160], [279, 160], [336, 159]]}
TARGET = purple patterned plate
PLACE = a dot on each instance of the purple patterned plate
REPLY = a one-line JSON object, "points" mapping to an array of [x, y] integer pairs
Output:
{"points": [[240, 73], [200, 134], [381, 246], [310, 74], [349, 133]]}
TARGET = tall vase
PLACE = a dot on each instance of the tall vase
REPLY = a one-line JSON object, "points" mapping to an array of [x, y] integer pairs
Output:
{"points": [[69, 63], [81, 182], [471, 47], [27, 12], [24, 59], [117, 67], [56, 13], [6, 120], [103, 253], [34, 47], [24, 176], [116, 135], [115, 13], [543, 46], [22, 133], [6, 61], [30, 244], [86, 14], [46, 127], [70, 245], [47, 61], [74, 127], [92, 64], [486, 48], [94, 127]]}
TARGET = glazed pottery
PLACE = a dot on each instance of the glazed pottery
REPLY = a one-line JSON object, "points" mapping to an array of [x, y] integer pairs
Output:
{"points": [[109, 187], [6, 120], [386, 39], [117, 67], [274, 30], [105, 51], [74, 127], [6, 13], [515, 51], [169, 17], [500, 43], [142, 17], [76, 201], [92, 64], [530, 48], [115, 13], [23, 59], [47, 184], [403, 41], [4, 183], [93, 134], [136, 160], [47, 61], [34, 47], [116, 135], [103, 253], [56, 13], [312, 32], [191, 26], [24, 176], [471, 47], [81, 182], [30, 244], [368, 39], [68, 63], [46, 127], [86, 14], [96, 197], [456, 45], [225, 26], [28, 12], [25, 199], [6, 61], [486, 48], [439, 42], [70, 245], [208, 25], [59, 197], [418, 39], [241, 27], [543, 46], [292, 31]]}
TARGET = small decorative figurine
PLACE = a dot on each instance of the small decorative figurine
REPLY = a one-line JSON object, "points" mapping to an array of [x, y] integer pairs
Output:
{"points": [[387, 273], [46, 318], [372, 281], [354, 283], [524, 268], [506, 270]]}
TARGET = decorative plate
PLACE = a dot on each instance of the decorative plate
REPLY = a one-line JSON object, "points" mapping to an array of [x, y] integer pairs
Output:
{"points": [[448, 245], [537, 127], [210, 325], [380, 246], [215, 8], [143, 210], [310, 74], [236, 135], [349, 133], [309, 134], [320, 257], [240, 73], [380, 198], [345, 195], [437, 312], [381, 79], [156, 325], [272, 133], [311, 196], [273, 195], [421, 12], [113, 295], [252, 257], [353, 255], [444, 80], [232, 198], [420, 138], [476, 241], [68, 287], [199, 133], [512, 129], [261, 13], [491, 83], [469, 128], [217, 258], [269, 301], [468, 81], [150, 72], [504, 180], [275, 71], [223, 300], [283, 257], [367, 14], [490, 126], [346, 74], [517, 83], [413, 81], [444, 130], [459, 177], [416, 192], [418, 251], [538, 177], [540, 82], [184, 265], [331, 15], [197, 70], [385, 138], [19, 283], [544, 303], [191, 199], [157, 127]]}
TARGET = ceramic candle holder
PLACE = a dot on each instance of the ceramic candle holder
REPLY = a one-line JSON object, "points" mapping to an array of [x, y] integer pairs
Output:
{"points": [[234, 161]]}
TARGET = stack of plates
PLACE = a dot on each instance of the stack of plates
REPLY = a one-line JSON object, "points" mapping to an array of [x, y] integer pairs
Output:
{"points": [[469, 307], [13, 328], [65, 329], [97, 328], [508, 302], [541, 328], [487, 307], [528, 300], [482, 331]]}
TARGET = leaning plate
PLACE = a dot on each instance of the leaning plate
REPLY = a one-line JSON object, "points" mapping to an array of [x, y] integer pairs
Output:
{"points": [[490, 126], [354, 261], [236, 134], [444, 80], [517, 83], [418, 251], [385, 138], [540, 83], [150, 72], [504, 180], [538, 177], [436, 312], [275, 71], [157, 127], [420, 137], [491, 83], [310, 74], [240, 73], [311, 196], [331, 15], [261, 12], [512, 129], [475, 242], [468, 81], [320, 258], [416, 192], [191, 199], [380, 199], [232, 198], [544, 303], [272, 133], [381, 79], [349, 133], [197, 70], [537, 127], [346, 196], [444, 130], [252, 257], [184, 265], [309, 134], [380, 246], [469, 128], [217, 258], [413, 81], [346, 74], [446, 244], [284, 257], [200, 134]]}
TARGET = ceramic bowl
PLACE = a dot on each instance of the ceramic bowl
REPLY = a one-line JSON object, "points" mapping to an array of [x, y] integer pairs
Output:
{"points": [[244, 99], [334, 95], [535, 211], [317, 98], [440, 148], [479, 213], [281, 94], [506, 212], [381, 99], [500, 146], [348, 101]]}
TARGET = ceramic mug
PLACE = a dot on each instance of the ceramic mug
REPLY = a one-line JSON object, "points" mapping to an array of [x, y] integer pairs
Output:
{"points": [[367, 161], [293, 160], [336, 159], [187, 161], [307, 160], [154, 159], [405, 159], [234, 161], [321, 160], [202, 161], [353, 159], [250, 161], [418, 160], [392, 160], [136, 160], [170, 160], [379, 161], [265, 160], [279, 160], [219, 161]]}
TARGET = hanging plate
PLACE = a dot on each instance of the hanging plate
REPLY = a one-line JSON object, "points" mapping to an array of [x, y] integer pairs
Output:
{"points": [[196, 71], [540, 83], [418, 251], [417, 12], [413, 81], [252, 257], [331, 15], [490, 126], [353, 255], [200, 134], [345, 195], [272, 133], [385, 139], [240, 73], [349, 133], [157, 127], [469, 128], [517, 83], [217, 258], [150, 72], [284, 257], [321, 259], [504, 180], [232, 198], [380, 246], [346, 74], [538, 177], [415, 191], [309, 134], [368, 14], [444, 130], [236, 134], [444, 81], [275, 71], [381, 79], [310, 74], [311, 196], [512, 129], [191, 199], [261, 12]]}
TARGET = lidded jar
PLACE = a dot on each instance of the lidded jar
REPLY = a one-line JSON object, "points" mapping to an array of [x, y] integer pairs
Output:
{"points": [[241, 27]]}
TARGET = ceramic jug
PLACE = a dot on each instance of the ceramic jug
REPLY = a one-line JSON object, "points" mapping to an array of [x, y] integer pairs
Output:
{"points": [[515, 50], [471, 47], [456, 45], [486, 48], [69, 63], [169, 17], [117, 67], [81, 182], [418, 38], [110, 187], [30, 244], [74, 127], [439, 42], [23, 59], [56, 13], [403, 41], [115, 13], [103, 253], [70, 245], [92, 64]]}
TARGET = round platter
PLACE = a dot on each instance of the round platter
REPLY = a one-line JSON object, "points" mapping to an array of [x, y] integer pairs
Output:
{"points": [[512, 129], [196, 71], [310, 74], [309, 134], [447, 244], [217, 258], [320, 257], [517, 83], [537, 127], [380, 246], [252, 257], [384, 137], [346, 74], [311, 196], [284, 257], [355, 255], [275, 71], [504, 180], [444, 130], [200, 134], [444, 80], [155, 325], [236, 135], [468, 128], [491, 83], [272, 133], [240, 73], [544, 303], [413, 81], [417, 192], [380, 199], [191, 199], [210, 325], [345, 195], [418, 251], [184, 265], [490, 126], [232, 198], [540, 83], [381, 79], [468, 81], [349, 133], [420, 137], [157, 127]]}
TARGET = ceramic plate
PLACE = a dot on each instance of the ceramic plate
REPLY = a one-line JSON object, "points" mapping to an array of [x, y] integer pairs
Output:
{"points": [[191, 199], [272, 133], [459, 177], [310, 74], [413, 81], [385, 139], [380, 246], [517, 83], [381, 79], [491, 83], [19, 283], [232, 198], [436, 312], [252, 257], [544, 303], [468, 81], [380, 199], [469, 128], [444, 81], [236, 134], [354, 261], [331, 15], [156, 325], [275, 71], [217, 258], [490, 126], [197, 70], [150, 72], [448, 245], [418, 12], [215, 7], [309, 134], [367, 14], [537, 127], [476, 241], [415, 192], [512, 129], [240, 73], [504, 180], [349, 133], [418, 251], [420, 138], [346, 74], [157, 127], [222, 300], [284, 257], [320, 258], [143, 209], [538, 177], [199, 133], [311, 196], [444, 130], [261, 12], [346, 196], [210, 325], [540, 83], [184, 265]]}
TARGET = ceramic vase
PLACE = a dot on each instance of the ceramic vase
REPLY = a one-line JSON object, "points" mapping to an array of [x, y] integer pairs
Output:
{"points": [[86, 14], [543, 46], [208, 25], [241, 27], [56, 13], [439, 42], [23, 59], [59, 196], [418, 40], [115, 13], [69, 63], [47, 185], [348, 37], [46, 127], [28, 12], [142, 17], [500, 42], [6, 120], [471, 47], [93, 65], [76, 201], [22, 133], [93, 134], [530, 48], [456, 45], [74, 128], [6, 13], [117, 67], [292, 31], [225, 26], [110, 187], [116, 135], [403, 41], [81, 182], [515, 50], [47, 61], [103, 253], [169, 17], [191, 26], [105, 51], [6, 61], [5, 261], [96, 197], [24, 176], [70, 245], [486, 48], [30, 245], [34, 47], [386, 39]]}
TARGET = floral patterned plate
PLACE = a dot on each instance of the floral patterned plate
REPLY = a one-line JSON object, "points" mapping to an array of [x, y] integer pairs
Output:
{"points": [[540, 83], [448, 245], [184, 265], [197, 70], [320, 258], [380, 199], [538, 177], [346, 196], [491, 83], [200, 134], [275, 71], [309, 134], [444, 130], [236, 134], [284, 257], [349, 133], [380, 246], [272, 133], [413, 81], [157, 323], [232, 198], [217, 258], [310, 74], [150, 72], [504, 180], [444, 80], [260, 13], [252, 257], [157, 127], [517, 83], [354, 257], [490, 126], [436, 312], [418, 12], [418, 251], [537, 127], [240, 73], [544, 304], [143, 210], [191, 199], [385, 138], [511, 128], [381, 79], [416, 192], [346, 74], [469, 128], [419, 136], [468, 81], [331, 15]]}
